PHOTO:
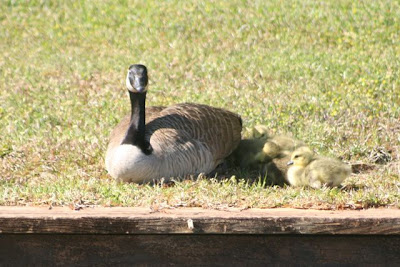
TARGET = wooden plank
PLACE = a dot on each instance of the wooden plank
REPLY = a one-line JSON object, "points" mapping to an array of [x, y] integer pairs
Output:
{"points": [[195, 250], [41, 220]]}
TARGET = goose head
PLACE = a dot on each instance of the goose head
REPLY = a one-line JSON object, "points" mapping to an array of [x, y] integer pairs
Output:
{"points": [[301, 157], [136, 79]]}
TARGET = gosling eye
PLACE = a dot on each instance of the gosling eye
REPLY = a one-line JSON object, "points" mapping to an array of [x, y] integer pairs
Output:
{"points": [[296, 156]]}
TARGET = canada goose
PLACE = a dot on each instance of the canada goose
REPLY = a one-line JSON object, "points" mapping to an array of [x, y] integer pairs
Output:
{"points": [[179, 140], [309, 170]]}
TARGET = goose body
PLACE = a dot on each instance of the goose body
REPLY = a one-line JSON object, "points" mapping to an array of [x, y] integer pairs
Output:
{"points": [[174, 141], [309, 170]]}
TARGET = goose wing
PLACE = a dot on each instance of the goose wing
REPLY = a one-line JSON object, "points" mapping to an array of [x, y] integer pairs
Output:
{"points": [[214, 129]]}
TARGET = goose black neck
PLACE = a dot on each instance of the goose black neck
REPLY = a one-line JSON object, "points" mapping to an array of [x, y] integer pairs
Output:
{"points": [[135, 134]]}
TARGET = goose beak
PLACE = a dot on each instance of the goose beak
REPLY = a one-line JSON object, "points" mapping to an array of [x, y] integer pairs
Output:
{"points": [[140, 83], [290, 163]]}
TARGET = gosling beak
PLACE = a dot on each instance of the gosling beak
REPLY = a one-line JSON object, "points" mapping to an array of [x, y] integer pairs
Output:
{"points": [[290, 163]]}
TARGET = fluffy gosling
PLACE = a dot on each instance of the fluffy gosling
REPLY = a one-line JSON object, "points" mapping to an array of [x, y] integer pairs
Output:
{"points": [[306, 169], [278, 146], [259, 132], [246, 152], [269, 151], [276, 170], [287, 143]]}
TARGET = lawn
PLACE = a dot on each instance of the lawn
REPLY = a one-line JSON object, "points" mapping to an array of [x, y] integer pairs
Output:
{"points": [[326, 72]]}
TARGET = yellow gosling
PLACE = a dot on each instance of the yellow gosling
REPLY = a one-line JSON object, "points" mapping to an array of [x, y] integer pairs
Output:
{"points": [[269, 151], [286, 143], [259, 132], [307, 169]]}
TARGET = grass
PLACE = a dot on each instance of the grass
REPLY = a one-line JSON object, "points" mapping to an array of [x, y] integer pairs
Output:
{"points": [[325, 71]]}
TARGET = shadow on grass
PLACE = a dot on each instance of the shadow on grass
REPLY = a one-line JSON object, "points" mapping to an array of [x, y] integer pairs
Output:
{"points": [[221, 173], [266, 174]]}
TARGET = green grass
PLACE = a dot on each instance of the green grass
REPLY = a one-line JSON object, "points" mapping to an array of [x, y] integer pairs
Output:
{"points": [[325, 71]]}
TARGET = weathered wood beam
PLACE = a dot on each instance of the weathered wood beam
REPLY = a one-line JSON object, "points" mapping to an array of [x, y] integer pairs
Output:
{"points": [[125, 221]]}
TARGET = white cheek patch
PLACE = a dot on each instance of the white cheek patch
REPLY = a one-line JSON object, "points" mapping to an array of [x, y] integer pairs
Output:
{"points": [[128, 83]]}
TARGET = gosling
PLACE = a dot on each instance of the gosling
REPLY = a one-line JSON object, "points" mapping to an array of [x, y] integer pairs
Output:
{"points": [[278, 146], [307, 169], [259, 132], [287, 143], [246, 152], [276, 170], [252, 152], [269, 151]]}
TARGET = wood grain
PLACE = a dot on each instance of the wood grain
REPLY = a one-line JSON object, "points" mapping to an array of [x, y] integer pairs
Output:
{"points": [[198, 250], [40, 220]]}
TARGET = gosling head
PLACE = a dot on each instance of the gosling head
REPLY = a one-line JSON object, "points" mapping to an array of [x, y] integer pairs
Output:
{"points": [[260, 132], [271, 149], [301, 157], [136, 80]]}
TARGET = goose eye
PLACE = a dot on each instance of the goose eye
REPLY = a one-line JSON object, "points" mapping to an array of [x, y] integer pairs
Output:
{"points": [[296, 156]]}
